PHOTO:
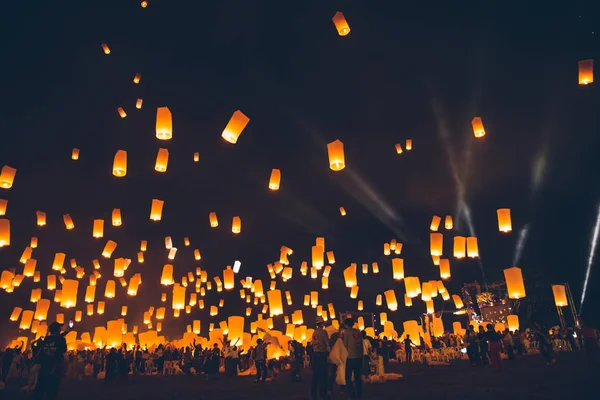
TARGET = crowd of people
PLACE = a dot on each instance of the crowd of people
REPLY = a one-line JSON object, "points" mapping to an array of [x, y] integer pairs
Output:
{"points": [[343, 358]]}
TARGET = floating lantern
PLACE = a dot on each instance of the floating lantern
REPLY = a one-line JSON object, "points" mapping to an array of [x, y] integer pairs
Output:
{"points": [[478, 129], [122, 112], [275, 179], [460, 244], [29, 269], [375, 268], [504, 221], [26, 319], [426, 291], [4, 232], [15, 314], [472, 247], [436, 243], [120, 164], [3, 205], [144, 4], [398, 148], [408, 144], [41, 309], [178, 301], [90, 294], [436, 260], [162, 160], [354, 292], [236, 225], [350, 276], [75, 154], [335, 150], [228, 278], [7, 177], [560, 295], [98, 230], [412, 286], [448, 224], [164, 123], [325, 283], [197, 255], [407, 301], [69, 293], [137, 78], [235, 126], [68, 222], [458, 303], [386, 249], [330, 257], [108, 249], [341, 24], [586, 72], [59, 261], [105, 48], [138, 103], [41, 218], [513, 322], [214, 311], [514, 283], [275, 302], [317, 257], [172, 253], [444, 268], [435, 223], [36, 295], [109, 291], [390, 299], [167, 275], [314, 299], [438, 327], [50, 282], [156, 210], [116, 217], [429, 305]]}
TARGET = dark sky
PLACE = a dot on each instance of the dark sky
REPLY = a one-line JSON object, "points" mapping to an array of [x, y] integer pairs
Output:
{"points": [[410, 70]]}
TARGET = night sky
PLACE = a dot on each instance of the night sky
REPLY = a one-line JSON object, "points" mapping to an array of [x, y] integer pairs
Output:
{"points": [[406, 71]]}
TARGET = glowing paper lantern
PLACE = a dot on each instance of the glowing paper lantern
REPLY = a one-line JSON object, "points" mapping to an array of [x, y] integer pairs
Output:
{"points": [[7, 177], [586, 72], [109, 291], [426, 291], [275, 302], [458, 303], [90, 294], [314, 299], [120, 164], [386, 249], [513, 322], [408, 144], [164, 123], [407, 301], [105, 48], [435, 223], [478, 129], [41, 309], [69, 293], [341, 24], [156, 210], [436, 243], [3, 205], [429, 305], [36, 295], [354, 292], [275, 179], [514, 283], [317, 257], [98, 230], [108, 249], [178, 302], [235, 126], [390, 299], [122, 112], [444, 268], [29, 269], [228, 278], [68, 222], [472, 247], [438, 327], [236, 225], [167, 275], [137, 78], [4, 232], [398, 148], [504, 221], [412, 286], [139, 103], [337, 160], [26, 319], [51, 282], [460, 244], [162, 160], [350, 276], [560, 295], [342, 211], [448, 224]]}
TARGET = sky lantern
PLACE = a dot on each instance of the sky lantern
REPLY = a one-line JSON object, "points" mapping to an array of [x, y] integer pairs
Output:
{"points": [[435, 223], [162, 160], [350, 276], [144, 4], [317, 257], [386, 249], [412, 286], [236, 225], [41, 218], [196, 157], [560, 295], [59, 261], [119, 267], [426, 291], [436, 243], [586, 72], [26, 319], [122, 112], [164, 123], [137, 78], [156, 209], [472, 247], [341, 24], [398, 148], [235, 126], [29, 268], [3, 205], [504, 221], [438, 327], [375, 268], [275, 302], [214, 311], [98, 229], [50, 282], [478, 130], [90, 294], [337, 160], [140, 257], [109, 291], [36, 295], [444, 268], [228, 278], [320, 241], [409, 144], [69, 293], [108, 249], [178, 297], [275, 179], [172, 253], [354, 292], [4, 232], [390, 299], [513, 322], [116, 217], [514, 283], [120, 164], [41, 309], [105, 48], [460, 244], [138, 103], [407, 301], [429, 306], [68, 222], [75, 154], [448, 224], [324, 283], [314, 299], [7, 177], [57, 295], [197, 255], [15, 314], [214, 222], [458, 303], [6, 280], [196, 326], [435, 260], [167, 275], [330, 257]]}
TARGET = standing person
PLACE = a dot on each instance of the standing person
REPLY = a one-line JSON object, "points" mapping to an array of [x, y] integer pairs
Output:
{"points": [[483, 346], [590, 341], [318, 361], [408, 344], [545, 345], [494, 347], [260, 360], [367, 349], [52, 356], [353, 342]]}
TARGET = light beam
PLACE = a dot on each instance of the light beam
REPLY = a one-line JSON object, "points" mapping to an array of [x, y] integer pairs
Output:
{"points": [[591, 257]]}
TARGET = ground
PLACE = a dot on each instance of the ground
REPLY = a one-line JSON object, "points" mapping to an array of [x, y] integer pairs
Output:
{"points": [[526, 378]]}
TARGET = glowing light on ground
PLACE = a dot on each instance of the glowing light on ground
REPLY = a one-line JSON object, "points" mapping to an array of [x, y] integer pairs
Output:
{"points": [[591, 258]]}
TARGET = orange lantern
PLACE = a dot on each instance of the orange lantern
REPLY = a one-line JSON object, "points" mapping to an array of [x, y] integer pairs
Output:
{"points": [[41, 218], [275, 179], [156, 210], [90, 294], [586, 72], [448, 224], [412, 286], [69, 293], [236, 225], [29, 269], [109, 248], [59, 261], [41, 309], [7, 177], [4, 232], [478, 129], [317, 257], [398, 268], [162, 160], [350, 276], [460, 243], [390, 299], [504, 221], [75, 154], [472, 247], [235, 126], [138, 103], [116, 217], [407, 301], [514, 283], [458, 303], [435, 223], [137, 78], [337, 160], [342, 211], [68, 222], [354, 292], [228, 278], [444, 268], [275, 302], [560, 295], [341, 24], [164, 123], [398, 148], [178, 301], [122, 112], [436, 241], [100, 307], [120, 164], [26, 319], [513, 322], [98, 230], [3, 205], [167, 275], [105, 48], [109, 291]]}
